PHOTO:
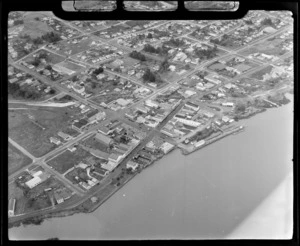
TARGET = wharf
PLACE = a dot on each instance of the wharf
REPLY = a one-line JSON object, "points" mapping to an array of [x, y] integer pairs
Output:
{"points": [[211, 140]]}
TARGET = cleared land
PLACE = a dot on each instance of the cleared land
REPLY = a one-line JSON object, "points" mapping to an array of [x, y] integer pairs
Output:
{"points": [[32, 129], [67, 159]]}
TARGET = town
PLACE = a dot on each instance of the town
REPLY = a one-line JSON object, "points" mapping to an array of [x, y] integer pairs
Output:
{"points": [[93, 103]]}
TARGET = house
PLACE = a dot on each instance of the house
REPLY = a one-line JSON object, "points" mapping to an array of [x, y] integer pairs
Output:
{"points": [[95, 116], [59, 199], [103, 139], [109, 166], [55, 140], [225, 119], [79, 125], [11, 207], [192, 106], [131, 164], [82, 165], [104, 130], [142, 109]]}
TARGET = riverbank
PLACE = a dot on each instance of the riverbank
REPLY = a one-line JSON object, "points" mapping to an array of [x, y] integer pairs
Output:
{"points": [[186, 151], [37, 220]]}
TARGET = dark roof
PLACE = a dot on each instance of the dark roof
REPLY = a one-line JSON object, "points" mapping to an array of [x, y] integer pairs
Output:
{"points": [[80, 123], [92, 113], [192, 104]]}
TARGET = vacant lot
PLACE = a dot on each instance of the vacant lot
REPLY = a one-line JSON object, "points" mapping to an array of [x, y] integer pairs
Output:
{"points": [[67, 159], [33, 128], [260, 74], [71, 65], [16, 159]]}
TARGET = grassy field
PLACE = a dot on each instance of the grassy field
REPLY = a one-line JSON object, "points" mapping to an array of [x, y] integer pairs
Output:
{"points": [[16, 159], [71, 65], [33, 27], [268, 48], [33, 128], [67, 159], [51, 57], [259, 74], [92, 142]]}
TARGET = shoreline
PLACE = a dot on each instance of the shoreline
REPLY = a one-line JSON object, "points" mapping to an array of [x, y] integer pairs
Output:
{"points": [[37, 220]]}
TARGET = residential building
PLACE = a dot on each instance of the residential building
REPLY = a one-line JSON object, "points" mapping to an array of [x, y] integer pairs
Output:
{"points": [[79, 125], [96, 116]]}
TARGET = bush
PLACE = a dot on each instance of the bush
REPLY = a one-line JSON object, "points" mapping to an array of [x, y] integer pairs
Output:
{"points": [[137, 55]]}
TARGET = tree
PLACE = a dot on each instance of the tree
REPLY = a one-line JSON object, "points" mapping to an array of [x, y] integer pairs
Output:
{"points": [[267, 22], [164, 66], [37, 41], [149, 76], [137, 55], [49, 67], [149, 35], [98, 71], [52, 91], [240, 108], [187, 67]]}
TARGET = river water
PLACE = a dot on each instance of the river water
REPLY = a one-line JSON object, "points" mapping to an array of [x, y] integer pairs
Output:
{"points": [[225, 190]]}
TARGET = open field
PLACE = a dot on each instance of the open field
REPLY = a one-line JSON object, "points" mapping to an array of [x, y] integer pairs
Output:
{"points": [[33, 128], [67, 159], [16, 159], [50, 57], [71, 65], [260, 74]]}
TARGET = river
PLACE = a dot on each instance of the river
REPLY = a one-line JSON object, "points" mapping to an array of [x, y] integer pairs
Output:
{"points": [[224, 190]]}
